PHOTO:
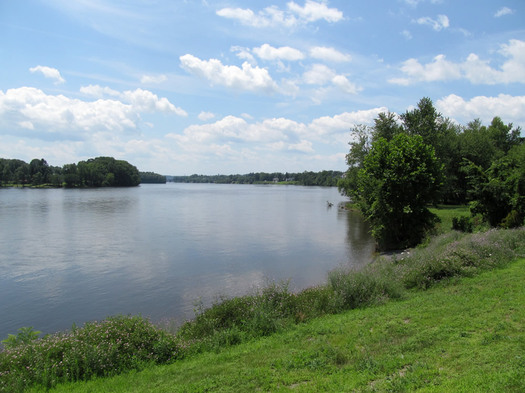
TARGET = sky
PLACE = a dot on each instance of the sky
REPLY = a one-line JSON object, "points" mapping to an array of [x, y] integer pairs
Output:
{"points": [[233, 87]]}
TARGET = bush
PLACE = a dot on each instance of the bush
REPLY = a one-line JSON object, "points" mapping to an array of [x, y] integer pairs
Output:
{"points": [[104, 348], [462, 224]]}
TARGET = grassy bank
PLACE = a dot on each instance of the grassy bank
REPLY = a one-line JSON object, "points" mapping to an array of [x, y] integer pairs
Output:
{"points": [[467, 336], [120, 344]]}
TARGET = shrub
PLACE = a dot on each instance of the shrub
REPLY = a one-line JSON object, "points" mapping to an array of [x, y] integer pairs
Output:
{"points": [[112, 346], [462, 224]]}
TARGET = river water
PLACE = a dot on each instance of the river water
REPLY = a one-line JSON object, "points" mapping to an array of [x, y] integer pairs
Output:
{"points": [[70, 256]]}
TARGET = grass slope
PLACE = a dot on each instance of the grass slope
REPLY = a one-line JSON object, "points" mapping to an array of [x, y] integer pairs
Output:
{"points": [[467, 336]]}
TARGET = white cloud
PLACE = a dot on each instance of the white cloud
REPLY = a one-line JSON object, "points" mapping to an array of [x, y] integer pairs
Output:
{"points": [[295, 14], [48, 72], [273, 134], [153, 79], [99, 91], [57, 113], [270, 16], [440, 69], [246, 78], [244, 54], [329, 54], [205, 116], [473, 69], [141, 100], [319, 74], [343, 122], [438, 24], [314, 11], [236, 129], [32, 109], [509, 108], [268, 52], [146, 101], [302, 146], [503, 11]]}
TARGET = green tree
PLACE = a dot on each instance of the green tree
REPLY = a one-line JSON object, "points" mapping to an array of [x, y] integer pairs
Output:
{"points": [[398, 180], [498, 193], [502, 135], [386, 126]]}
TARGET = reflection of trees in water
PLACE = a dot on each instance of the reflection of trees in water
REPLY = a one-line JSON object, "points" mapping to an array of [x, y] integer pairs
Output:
{"points": [[360, 243]]}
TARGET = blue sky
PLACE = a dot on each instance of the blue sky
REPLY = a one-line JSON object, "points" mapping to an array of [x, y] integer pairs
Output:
{"points": [[230, 86]]}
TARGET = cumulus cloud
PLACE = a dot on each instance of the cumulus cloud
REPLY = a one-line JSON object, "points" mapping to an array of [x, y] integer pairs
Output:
{"points": [[244, 54], [273, 134], [313, 11], [319, 74], [438, 24], [99, 91], [153, 79], [503, 11], [473, 69], [236, 129], [294, 15], [33, 109], [510, 108], [48, 72], [329, 54], [146, 101], [440, 69], [268, 52], [343, 122], [141, 100], [248, 77], [205, 116]]}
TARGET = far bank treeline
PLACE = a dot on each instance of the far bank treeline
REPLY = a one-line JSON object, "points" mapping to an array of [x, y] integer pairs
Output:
{"points": [[306, 178], [95, 172]]}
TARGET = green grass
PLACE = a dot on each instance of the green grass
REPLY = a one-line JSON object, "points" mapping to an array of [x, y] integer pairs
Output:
{"points": [[467, 336], [446, 213]]}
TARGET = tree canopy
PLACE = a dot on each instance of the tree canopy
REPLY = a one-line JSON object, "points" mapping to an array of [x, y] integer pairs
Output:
{"points": [[480, 165], [398, 180], [95, 172]]}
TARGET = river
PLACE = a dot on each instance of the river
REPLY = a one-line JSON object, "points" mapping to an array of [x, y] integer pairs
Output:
{"points": [[75, 255]]}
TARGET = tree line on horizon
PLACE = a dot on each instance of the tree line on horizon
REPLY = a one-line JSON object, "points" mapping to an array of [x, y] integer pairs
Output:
{"points": [[402, 164], [326, 178], [94, 172]]}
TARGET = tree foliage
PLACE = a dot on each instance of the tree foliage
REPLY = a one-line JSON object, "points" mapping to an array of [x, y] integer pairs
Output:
{"points": [[498, 193], [481, 164], [95, 172], [152, 177], [306, 178], [398, 180]]}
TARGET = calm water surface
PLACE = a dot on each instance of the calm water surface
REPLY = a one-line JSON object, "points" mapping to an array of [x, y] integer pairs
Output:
{"points": [[70, 256]]}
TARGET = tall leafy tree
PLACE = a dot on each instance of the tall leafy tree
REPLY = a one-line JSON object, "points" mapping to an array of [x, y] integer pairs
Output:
{"points": [[398, 180], [498, 193]]}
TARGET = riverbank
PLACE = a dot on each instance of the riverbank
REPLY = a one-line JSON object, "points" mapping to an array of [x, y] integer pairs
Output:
{"points": [[464, 336], [274, 310]]}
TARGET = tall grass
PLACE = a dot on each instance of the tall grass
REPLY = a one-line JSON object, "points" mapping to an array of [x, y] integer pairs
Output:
{"points": [[123, 343], [105, 348]]}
